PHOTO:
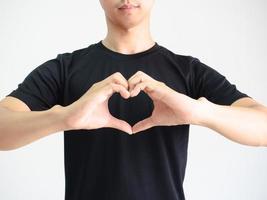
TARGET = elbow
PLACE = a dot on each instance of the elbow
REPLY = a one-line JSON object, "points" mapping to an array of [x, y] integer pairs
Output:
{"points": [[263, 135], [263, 140], [257, 140], [6, 148], [6, 145]]}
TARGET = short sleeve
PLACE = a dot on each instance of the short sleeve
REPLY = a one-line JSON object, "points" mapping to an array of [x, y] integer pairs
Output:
{"points": [[209, 83], [42, 88]]}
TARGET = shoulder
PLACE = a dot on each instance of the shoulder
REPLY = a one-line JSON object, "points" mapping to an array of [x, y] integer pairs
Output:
{"points": [[182, 58], [185, 62], [67, 58], [77, 53]]}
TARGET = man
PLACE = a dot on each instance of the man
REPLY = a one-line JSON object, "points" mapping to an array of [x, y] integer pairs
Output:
{"points": [[127, 83]]}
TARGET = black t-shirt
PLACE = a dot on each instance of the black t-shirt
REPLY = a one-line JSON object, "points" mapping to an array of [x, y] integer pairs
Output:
{"points": [[109, 164]]}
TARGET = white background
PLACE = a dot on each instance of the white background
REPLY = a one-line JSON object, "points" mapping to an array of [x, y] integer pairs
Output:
{"points": [[228, 35]]}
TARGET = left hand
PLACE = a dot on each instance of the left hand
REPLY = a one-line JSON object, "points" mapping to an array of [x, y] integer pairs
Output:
{"points": [[170, 106]]}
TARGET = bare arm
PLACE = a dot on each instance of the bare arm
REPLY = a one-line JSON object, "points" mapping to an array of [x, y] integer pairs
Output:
{"points": [[20, 126], [245, 121]]}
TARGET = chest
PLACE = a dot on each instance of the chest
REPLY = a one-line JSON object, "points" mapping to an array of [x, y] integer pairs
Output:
{"points": [[84, 74]]}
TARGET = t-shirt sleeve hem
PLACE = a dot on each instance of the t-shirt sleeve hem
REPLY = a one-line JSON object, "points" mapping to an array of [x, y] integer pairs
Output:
{"points": [[231, 99], [21, 96]]}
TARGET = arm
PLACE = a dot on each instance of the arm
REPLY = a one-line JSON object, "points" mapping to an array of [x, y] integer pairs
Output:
{"points": [[244, 121], [20, 126]]}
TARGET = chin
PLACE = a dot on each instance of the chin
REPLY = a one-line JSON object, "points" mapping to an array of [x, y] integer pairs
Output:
{"points": [[126, 23], [129, 25]]}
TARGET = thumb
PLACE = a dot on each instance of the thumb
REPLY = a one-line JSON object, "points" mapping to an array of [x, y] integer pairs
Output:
{"points": [[119, 124], [143, 125]]}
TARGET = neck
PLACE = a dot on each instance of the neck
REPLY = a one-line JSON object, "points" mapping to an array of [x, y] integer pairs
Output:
{"points": [[128, 40]]}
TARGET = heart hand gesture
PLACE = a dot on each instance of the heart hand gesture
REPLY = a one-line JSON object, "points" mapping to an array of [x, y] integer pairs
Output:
{"points": [[170, 107], [91, 110]]}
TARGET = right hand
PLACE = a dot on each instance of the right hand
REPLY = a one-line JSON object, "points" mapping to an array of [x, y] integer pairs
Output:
{"points": [[91, 111]]}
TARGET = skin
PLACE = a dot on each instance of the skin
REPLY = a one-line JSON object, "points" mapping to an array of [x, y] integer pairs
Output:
{"points": [[174, 108], [244, 121], [90, 111], [128, 32]]}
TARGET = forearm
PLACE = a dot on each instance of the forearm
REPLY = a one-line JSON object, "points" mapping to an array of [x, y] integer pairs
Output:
{"points": [[244, 125], [20, 128]]}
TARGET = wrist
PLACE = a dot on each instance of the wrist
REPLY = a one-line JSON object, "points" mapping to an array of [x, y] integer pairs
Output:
{"points": [[203, 112], [60, 115]]}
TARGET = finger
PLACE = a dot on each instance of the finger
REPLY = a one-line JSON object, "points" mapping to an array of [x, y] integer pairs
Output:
{"points": [[118, 78], [143, 125], [133, 82], [139, 73], [145, 86], [113, 87], [119, 124], [137, 78]]}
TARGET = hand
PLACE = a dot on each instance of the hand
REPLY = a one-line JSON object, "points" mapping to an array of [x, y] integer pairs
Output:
{"points": [[91, 110], [170, 107]]}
